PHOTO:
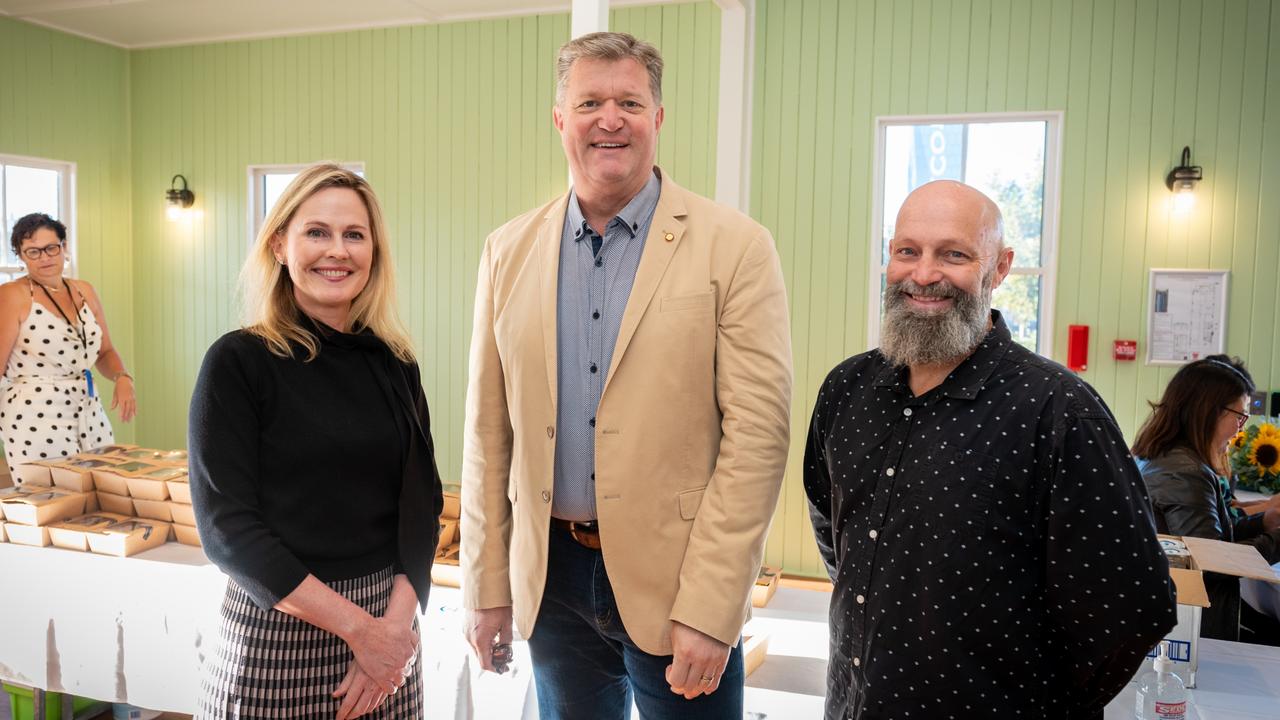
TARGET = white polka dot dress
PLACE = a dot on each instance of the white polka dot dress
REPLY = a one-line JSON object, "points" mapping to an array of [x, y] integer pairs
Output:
{"points": [[45, 408]]}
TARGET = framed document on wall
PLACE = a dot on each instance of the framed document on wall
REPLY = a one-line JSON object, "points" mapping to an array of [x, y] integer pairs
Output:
{"points": [[1186, 315]]}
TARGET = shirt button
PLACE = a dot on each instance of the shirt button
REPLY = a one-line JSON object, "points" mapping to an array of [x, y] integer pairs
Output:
{"points": [[592, 422], [906, 411], [595, 315], [874, 534], [599, 262], [546, 496], [593, 367], [861, 599], [889, 472], [857, 662]]}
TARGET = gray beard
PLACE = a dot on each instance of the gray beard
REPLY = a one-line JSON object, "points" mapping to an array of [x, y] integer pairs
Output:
{"points": [[911, 338]]}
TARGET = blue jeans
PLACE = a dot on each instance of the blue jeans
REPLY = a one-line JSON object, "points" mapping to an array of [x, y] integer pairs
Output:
{"points": [[586, 667]]}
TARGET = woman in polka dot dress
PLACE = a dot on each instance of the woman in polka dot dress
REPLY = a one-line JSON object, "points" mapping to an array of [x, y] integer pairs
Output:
{"points": [[52, 333]]}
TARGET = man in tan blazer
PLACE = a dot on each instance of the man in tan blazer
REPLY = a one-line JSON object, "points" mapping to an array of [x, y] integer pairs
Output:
{"points": [[627, 417]]}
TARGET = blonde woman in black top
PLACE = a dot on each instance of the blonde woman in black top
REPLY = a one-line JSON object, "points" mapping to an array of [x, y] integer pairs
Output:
{"points": [[313, 472]]}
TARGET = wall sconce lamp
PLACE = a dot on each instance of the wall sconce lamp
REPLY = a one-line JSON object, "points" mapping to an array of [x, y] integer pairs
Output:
{"points": [[1182, 181], [178, 199]]}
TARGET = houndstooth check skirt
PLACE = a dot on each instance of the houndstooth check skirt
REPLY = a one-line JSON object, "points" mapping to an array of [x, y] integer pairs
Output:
{"points": [[272, 665]]}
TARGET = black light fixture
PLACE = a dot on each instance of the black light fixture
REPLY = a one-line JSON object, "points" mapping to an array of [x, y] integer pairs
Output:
{"points": [[178, 199], [1182, 180]]}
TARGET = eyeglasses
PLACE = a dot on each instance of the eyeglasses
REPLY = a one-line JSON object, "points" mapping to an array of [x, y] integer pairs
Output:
{"points": [[1241, 418], [34, 253]]}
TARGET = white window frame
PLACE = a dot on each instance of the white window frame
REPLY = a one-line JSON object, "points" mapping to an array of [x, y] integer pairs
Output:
{"points": [[66, 204], [1048, 268], [257, 176]]}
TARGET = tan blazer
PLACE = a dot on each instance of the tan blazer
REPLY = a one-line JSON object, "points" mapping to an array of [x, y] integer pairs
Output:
{"points": [[691, 432]]}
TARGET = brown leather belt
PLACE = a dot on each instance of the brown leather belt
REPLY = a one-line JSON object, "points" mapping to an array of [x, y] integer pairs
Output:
{"points": [[586, 534]]}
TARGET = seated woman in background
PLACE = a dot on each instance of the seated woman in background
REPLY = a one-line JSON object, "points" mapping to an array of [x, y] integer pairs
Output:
{"points": [[1181, 451], [313, 473], [52, 333]]}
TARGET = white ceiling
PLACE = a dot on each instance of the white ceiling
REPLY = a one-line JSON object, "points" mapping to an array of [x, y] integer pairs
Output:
{"points": [[157, 23]]}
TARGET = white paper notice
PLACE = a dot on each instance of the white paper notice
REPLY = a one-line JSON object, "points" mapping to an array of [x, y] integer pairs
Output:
{"points": [[1187, 315]]}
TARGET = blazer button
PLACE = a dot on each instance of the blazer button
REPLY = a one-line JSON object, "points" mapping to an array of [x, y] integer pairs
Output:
{"points": [[546, 496], [551, 432]]}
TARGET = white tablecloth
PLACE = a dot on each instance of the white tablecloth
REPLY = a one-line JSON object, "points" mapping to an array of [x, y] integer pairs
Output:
{"points": [[136, 630]]}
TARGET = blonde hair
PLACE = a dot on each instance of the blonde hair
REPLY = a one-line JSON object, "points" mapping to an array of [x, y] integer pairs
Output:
{"points": [[270, 310], [609, 46]]}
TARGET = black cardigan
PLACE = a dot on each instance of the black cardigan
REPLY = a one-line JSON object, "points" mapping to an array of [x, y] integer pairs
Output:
{"points": [[1187, 501], [322, 467]]}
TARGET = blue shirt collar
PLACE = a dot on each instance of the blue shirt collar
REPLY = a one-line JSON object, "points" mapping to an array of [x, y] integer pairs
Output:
{"points": [[632, 217]]}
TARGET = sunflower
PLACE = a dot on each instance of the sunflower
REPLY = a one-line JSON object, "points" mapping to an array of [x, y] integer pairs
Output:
{"points": [[1269, 432], [1238, 441], [1265, 453]]}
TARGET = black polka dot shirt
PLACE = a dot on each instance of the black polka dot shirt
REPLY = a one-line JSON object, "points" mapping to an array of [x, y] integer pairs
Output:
{"points": [[991, 541]]}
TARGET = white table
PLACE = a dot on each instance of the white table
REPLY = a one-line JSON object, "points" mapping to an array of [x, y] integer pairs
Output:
{"points": [[136, 630]]}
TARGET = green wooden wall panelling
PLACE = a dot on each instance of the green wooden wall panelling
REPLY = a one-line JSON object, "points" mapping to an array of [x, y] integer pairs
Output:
{"points": [[65, 98], [453, 123], [1137, 80]]}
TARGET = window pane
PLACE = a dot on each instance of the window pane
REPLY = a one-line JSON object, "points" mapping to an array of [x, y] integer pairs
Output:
{"points": [[28, 190], [1018, 299], [273, 184], [1005, 160]]}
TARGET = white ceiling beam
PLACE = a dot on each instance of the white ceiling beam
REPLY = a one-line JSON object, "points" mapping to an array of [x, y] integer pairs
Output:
{"points": [[733, 128]]}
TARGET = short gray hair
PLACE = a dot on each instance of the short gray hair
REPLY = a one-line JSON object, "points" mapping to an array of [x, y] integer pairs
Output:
{"points": [[609, 46]]}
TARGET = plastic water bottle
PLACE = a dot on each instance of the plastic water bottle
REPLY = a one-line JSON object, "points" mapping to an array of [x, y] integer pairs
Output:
{"points": [[1161, 693]]}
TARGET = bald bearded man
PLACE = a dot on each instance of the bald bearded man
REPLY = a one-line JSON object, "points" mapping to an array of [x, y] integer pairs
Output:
{"points": [[989, 536]]}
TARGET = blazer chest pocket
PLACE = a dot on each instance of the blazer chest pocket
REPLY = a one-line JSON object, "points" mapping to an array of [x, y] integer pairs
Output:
{"points": [[696, 301], [689, 500]]}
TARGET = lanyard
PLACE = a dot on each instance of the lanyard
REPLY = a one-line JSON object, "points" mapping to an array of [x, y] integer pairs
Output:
{"points": [[79, 329]]}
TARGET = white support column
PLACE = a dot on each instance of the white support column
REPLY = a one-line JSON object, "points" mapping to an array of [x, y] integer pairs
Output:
{"points": [[733, 131], [588, 16]]}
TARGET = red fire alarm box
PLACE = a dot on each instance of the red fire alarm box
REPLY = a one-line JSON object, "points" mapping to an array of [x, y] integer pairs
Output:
{"points": [[1125, 350], [1077, 348]]}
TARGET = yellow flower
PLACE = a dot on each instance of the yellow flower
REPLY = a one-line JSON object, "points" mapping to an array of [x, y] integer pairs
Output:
{"points": [[1269, 431], [1265, 453], [1237, 442]]}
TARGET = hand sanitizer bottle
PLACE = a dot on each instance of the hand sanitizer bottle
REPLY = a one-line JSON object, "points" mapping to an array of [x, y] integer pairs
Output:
{"points": [[1161, 693]]}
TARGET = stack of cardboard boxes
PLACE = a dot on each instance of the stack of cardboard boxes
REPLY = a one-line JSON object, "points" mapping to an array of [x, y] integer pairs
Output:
{"points": [[124, 489]]}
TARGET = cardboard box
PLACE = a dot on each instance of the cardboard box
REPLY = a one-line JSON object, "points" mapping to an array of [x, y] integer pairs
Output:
{"points": [[1204, 556], [445, 570], [158, 457], [755, 648], [452, 509], [183, 514], [129, 537], [4, 536], [148, 489], [18, 491], [73, 534], [153, 509], [32, 474], [108, 480], [187, 535], [44, 508], [179, 490], [32, 535], [76, 472], [448, 534], [766, 585], [113, 503], [116, 450]]}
